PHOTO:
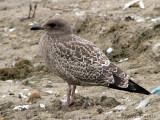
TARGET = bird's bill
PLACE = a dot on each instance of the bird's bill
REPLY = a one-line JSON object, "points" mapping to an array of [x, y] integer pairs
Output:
{"points": [[36, 28]]}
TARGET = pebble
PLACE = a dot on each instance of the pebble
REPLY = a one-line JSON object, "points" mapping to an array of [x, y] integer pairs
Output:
{"points": [[34, 95], [12, 36], [99, 110], [79, 13], [11, 93], [109, 50]]}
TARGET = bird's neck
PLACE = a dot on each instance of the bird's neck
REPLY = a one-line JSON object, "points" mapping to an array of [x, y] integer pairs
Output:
{"points": [[57, 37], [58, 34]]}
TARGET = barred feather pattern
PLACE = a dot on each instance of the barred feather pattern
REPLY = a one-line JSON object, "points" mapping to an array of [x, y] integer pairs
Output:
{"points": [[78, 61]]}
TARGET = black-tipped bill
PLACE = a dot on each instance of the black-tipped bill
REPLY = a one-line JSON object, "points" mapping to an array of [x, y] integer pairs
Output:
{"points": [[36, 28]]}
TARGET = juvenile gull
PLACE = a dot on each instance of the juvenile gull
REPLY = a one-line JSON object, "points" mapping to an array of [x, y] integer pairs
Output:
{"points": [[78, 61]]}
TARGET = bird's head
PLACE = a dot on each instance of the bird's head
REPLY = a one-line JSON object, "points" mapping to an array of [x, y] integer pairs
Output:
{"points": [[55, 25]]}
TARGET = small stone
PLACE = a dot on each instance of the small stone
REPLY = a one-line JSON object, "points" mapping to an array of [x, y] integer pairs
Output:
{"points": [[120, 107], [12, 36], [109, 50], [109, 102], [103, 98], [10, 90], [100, 110], [34, 95], [11, 93]]}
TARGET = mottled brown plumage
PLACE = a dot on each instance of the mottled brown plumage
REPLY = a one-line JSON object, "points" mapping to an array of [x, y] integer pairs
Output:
{"points": [[78, 61]]}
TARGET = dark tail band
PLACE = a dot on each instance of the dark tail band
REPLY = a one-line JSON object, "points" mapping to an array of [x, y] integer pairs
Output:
{"points": [[132, 87]]}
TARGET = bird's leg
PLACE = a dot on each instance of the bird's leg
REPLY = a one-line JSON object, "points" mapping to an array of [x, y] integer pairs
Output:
{"points": [[68, 95], [30, 9], [73, 94], [35, 6], [29, 14]]}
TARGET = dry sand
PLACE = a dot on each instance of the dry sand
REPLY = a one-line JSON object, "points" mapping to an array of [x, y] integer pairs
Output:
{"points": [[100, 21]]}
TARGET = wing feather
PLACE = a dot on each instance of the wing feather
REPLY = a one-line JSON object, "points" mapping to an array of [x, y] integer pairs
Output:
{"points": [[86, 63], [85, 60]]}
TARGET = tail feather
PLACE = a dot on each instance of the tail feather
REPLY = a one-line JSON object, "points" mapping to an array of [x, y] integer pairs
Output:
{"points": [[132, 87]]}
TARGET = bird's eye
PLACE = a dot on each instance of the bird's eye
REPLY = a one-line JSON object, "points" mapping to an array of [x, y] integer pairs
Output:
{"points": [[52, 25]]}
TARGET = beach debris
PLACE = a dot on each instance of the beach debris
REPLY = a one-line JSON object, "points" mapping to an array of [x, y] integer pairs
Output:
{"points": [[108, 6], [63, 100], [10, 90], [28, 94], [138, 118], [128, 18], [129, 100], [148, 18], [103, 93], [9, 81], [12, 29], [156, 19], [134, 3], [156, 90], [31, 24], [34, 95], [140, 20], [145, 101], [12, 36], [110, 112], [21, 95], [75, 9], [79, 13], [25, 89], [120, 107], [3, 96], [156, 49], [21, 107], [102, 29], [14, 63], [49, 91], [76, 91], [50, 82], [109, 50], [143, 104], [42, 105], [5, 34], [123, 60]]}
